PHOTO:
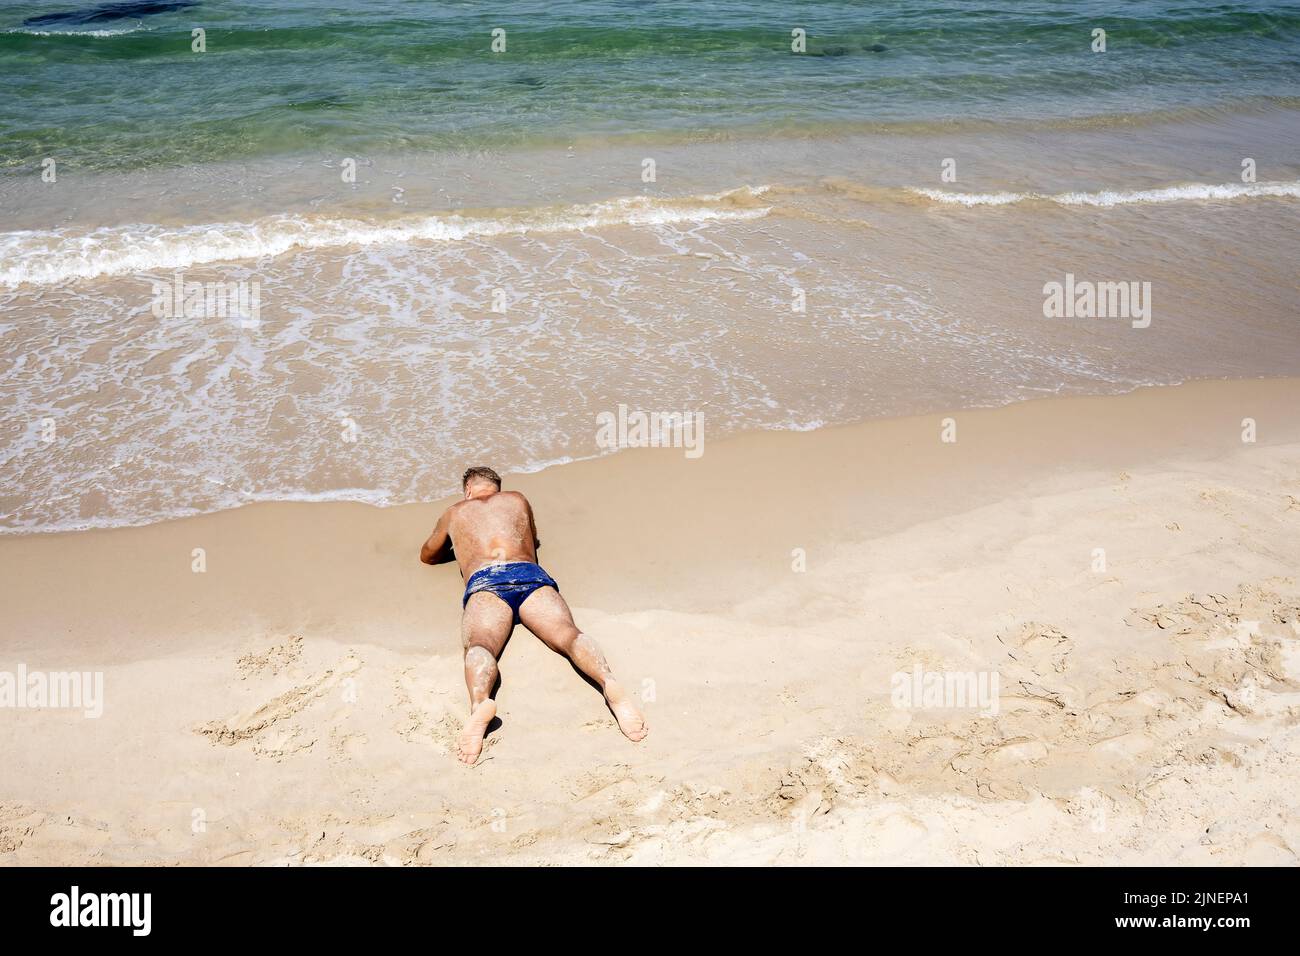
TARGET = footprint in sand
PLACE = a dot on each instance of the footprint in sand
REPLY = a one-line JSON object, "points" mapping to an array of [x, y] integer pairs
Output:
{"points": [[250, 725], [436, 723], [1127, 746], [18, 821], [1224, 638], [346, 746], [282, 742], [271, 661], [1040, 647], [691, 800], [596, 781], [1024, 750]]}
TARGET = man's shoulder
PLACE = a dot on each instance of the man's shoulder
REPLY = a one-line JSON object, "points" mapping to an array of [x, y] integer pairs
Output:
{"points": [[454, 509], [510, 499]]}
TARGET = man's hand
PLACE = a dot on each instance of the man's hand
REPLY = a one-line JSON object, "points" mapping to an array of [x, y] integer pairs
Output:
{"points": [[438, 549]]}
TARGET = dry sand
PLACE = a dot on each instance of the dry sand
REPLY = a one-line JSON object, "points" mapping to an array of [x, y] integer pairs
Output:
{"points": [[297, 701]]}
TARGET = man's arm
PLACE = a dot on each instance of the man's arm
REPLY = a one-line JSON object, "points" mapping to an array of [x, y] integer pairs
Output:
{"points": [[532, 524], [438, 549]]}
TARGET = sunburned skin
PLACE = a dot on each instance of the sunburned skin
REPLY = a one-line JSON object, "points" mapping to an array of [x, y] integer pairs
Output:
{"points": [[493, 526]]}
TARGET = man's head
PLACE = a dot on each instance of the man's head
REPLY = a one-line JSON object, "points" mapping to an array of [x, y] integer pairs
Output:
{"points": [[480, 481]]}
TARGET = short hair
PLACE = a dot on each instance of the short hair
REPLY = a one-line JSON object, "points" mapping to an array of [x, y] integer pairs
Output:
{"points": [[480, 471]]}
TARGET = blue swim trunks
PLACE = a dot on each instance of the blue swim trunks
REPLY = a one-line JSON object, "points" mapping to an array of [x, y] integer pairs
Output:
{"points": [[512, 582]]}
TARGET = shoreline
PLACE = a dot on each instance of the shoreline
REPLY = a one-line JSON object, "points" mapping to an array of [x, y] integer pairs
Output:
{"points": [[305, 690], [916, 437], [1002, 154], [328, 497]]}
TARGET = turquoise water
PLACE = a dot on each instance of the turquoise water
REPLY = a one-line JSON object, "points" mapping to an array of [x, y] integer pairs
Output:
{"points": [[284, 77]]}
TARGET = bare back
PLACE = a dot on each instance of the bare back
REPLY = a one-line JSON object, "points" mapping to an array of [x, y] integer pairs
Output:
{"points": [[499, 527]]}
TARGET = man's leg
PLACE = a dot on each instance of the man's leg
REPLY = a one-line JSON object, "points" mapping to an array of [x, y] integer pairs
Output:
{"points": [[547, 615], [484, 629]]}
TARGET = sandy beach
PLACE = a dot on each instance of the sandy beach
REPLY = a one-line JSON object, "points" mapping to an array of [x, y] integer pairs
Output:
{"points": [[1125, 566]]}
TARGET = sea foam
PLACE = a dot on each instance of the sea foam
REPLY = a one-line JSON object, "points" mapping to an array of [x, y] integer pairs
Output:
{"points": [[1112, 197], [53, 256]]}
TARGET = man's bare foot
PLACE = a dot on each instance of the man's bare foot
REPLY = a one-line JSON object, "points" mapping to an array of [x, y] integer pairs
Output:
{"points": [[625, 711], [470, 744]]}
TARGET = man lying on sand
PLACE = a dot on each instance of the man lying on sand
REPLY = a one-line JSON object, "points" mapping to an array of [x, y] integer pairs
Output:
{"points": [[495, 543]]}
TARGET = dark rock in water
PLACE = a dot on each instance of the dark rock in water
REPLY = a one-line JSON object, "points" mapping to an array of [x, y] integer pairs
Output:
{"points": [[108, 11], [832, 51], [533, 82], [877, 48]]}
